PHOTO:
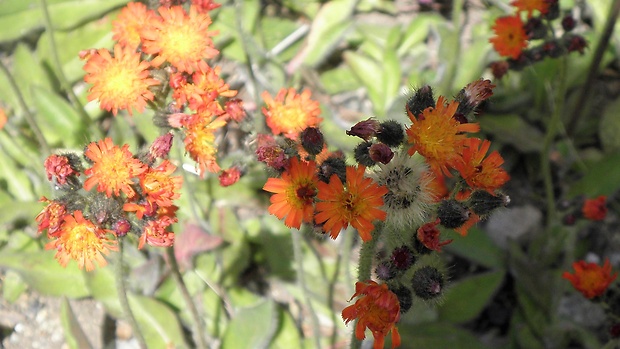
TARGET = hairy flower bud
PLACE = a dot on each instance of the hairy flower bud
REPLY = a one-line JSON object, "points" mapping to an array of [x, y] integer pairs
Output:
{"points": [[312, 140], [361, 154], [391, 133], [428, 283], [482, 202], [380, 152], [405, 298], [333, 165], [421, 99], [452, 213]]}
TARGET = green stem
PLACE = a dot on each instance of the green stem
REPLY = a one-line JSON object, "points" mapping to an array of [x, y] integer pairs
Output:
{"points": [[301, 283], [27, 114], [199, 332], [122, 297], [448, 81], [343, 254]]}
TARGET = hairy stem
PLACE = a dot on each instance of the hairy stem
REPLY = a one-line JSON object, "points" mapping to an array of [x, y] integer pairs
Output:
{"points": [[122, 297]]}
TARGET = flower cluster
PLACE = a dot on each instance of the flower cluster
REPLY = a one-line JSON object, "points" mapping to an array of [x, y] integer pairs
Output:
{"points": [[161, 52], [526, 38], [401, 177], [132, 194]]}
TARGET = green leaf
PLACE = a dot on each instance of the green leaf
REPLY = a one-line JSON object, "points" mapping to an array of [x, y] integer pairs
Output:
{"points": [[391, 78], [468, 297], [512, 129], [417, 31], [102, 286], [287, 336], [158, 323], [28, 73], [252, 327], [339, 79], [370, 75], [12, 286], [609, 127], [58, 121], [74, 334], [17, 181], [602, 178], [43, 273], [476, 247], [19, 210], [438, 335]]}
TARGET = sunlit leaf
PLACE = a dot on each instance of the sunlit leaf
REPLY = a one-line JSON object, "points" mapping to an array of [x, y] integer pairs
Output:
{"points": [[58, 121], [158, 323], [252, 327]]}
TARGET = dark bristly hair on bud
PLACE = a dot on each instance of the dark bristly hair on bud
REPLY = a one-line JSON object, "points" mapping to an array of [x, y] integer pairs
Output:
{"points": [[427, 283], [361, 154], [365, 129], [385, 271], [405, 298], [471, 96], [422, 98], [333, 165], [391, 133], [535, 28], [482, 202], [452, 213], [402, 258], [553, 10], [312, 140]]}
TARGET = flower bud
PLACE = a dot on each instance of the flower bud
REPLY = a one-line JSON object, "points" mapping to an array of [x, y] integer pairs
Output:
{"points": [[391, 133], [402, 258], [312, 140], [428, 283], [380, 152], [499, 68], [421, 99], [574, 43], [230, 176], [404, 296], [553, 10], [568, 23], [385, 271], [361, 153], [364, 129], [161, 146], [333, 165], [471, 96], [452, 213], [535, 29], [121, 227], [482, 202]]}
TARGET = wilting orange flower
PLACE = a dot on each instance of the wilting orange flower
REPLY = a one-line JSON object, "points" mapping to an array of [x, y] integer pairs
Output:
{"points": [[230, 176], [590, 279], [155, 233], [480, 172], [357, 204], [83, 241], [119, 82], [595, 209], [204, 90], [530, 6], [377, 309], [200, 143], [289, 113], [428, 235], [113, 168], [51, 217], [159, 186], [179, 38], [294, 193], [510, 37], [58, 166], [438, 136], [126, 28]]}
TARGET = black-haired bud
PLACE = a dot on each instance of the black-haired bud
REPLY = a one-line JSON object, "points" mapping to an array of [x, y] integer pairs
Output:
{"points": [[535, 29], [312, 140], [333, 165], [405, 298], [391, 133], [365, 129], [380, 152], [553, 49], [421, 99], [428, 283], [568, 23], [574, 43], [402, 258], [452, 213], [385, 271], [471, 96], [482, 202], [553, 10], [361, 153]]}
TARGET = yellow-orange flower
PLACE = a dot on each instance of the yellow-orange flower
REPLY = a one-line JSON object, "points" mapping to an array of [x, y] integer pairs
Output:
{"points": [[356, 204], [530, 6], [179, 38], [155, 233], [438, 136], [127, 26], [113, 168], [480, 172], [200, 143], [289, 113], [294, 193], [590, 279], [119, 82], [159, 186], [510, 37], [377, 309], [83, 241], [204, 90]]}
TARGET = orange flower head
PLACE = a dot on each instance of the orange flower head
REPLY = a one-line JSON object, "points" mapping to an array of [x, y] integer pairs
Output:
{"points": [[294, 193], [428, 234], [290, 113], [595, 209], [51, 217], [83, 241], [155, 233], [590, 279], [438, 136], [200, 144], [510, 37], [119, 82], [230, 176], [180, 38], [530, 6], [357, 204], [58, 166], [480, 172], [113, 168], [159, 186], [377, 309], [204, 90], [126, 28]]}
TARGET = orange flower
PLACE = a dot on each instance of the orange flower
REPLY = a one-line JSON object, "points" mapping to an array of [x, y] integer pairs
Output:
{"points": [[179, 38], [200, 143], [464, 229], [428, 235], [294, 193], [130, 21], [595, 209], [51, 217], [357, 204], [3, 118], [480, 172], [590, 279], [530, 6], [289, 113], [159, 186], [119, 82], [204, 90], [155, 233], [113, 168], [58, 166], [230, 176], [510, 38], [438, 136], [377, 309], [83, 241]]}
